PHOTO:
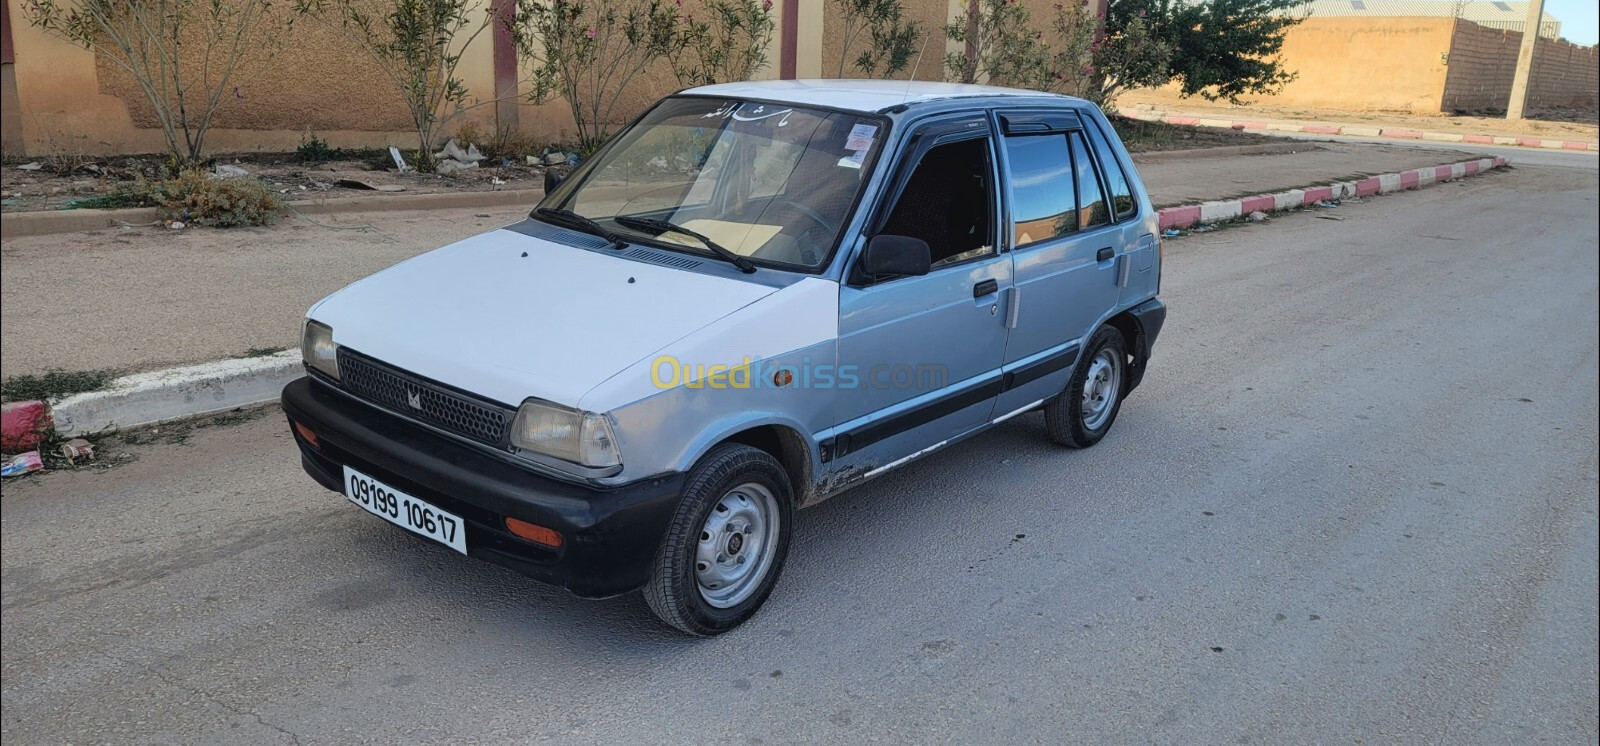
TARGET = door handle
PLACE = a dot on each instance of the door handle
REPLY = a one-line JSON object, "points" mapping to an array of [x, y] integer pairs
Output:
{"points": [[987, 287], [1105, 254]]}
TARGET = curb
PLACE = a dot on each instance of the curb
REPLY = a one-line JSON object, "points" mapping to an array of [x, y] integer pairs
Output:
{"points": [[48, 222], [1184, 216], [23, 425], [177, 393], [1359, 130]]}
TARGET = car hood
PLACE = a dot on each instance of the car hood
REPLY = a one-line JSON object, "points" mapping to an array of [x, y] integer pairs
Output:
{"points": [[508, 316]]}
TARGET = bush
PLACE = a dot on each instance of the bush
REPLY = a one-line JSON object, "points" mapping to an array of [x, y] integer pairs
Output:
{"points": [[197, 198], [314, 149], [730, 46]]}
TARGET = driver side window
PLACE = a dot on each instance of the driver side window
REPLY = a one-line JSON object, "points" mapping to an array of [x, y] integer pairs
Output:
{"points": [[948, 203]]}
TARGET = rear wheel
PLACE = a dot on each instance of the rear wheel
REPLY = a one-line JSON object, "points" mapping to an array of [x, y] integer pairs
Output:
{"points": [[1082, 414], [727, 542]]}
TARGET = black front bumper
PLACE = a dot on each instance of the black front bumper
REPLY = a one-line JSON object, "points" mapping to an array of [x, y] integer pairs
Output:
{"points": [[610, 535]]}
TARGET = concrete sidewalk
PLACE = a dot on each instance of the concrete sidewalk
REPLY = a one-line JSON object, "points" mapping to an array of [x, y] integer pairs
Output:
{"points": [[1316, 127], [140, 299]]}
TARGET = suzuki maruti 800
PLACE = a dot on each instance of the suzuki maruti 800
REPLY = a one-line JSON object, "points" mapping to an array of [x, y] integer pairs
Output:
{"points": [[754, 297]]}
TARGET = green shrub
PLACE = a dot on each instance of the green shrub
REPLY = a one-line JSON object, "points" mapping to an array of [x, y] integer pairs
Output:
{"points": [[194, 197], [314, 149]]}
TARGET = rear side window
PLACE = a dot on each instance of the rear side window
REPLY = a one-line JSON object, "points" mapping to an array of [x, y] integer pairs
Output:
{"points": [[1044, 203], [1091, 203], [1121, 194]]}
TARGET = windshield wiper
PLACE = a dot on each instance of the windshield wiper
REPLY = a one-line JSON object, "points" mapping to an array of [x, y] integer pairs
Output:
{"points": [[633, 221], [574, 220]]}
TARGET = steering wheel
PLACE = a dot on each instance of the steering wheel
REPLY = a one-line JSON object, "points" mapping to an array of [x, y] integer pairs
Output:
{"points": [[807, 212]]}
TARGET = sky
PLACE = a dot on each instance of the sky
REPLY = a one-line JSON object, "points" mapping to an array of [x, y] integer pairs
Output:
{"points": [[1578, 19]]}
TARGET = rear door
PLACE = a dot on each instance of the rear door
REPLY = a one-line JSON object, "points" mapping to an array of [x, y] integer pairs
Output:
{"points": [[1067, 251]]}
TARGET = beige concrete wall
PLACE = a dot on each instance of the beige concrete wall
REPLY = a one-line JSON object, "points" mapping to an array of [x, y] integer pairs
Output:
{"points": [[318, 82], [1483, 62], [1367, 64]]}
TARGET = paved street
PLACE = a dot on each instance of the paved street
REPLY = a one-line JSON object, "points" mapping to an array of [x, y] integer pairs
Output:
{"points": [[1353, 502]]}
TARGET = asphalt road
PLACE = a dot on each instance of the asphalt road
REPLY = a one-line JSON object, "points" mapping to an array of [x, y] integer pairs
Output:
{"points": [[1354, 502]]}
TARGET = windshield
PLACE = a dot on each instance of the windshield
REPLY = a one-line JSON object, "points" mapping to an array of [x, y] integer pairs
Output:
{"points": [[770, 182]]}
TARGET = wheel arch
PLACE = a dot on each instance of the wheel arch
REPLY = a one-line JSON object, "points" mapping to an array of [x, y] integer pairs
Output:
{"points": [[1135, 340], [784, 442]]}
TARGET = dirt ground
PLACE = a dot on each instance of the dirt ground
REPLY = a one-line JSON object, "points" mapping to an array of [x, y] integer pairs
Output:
{"points": [[1151, 137], [63, 184], [1564, 124]]}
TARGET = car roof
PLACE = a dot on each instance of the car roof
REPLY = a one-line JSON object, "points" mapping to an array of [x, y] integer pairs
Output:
{"points": [[867, 96]]}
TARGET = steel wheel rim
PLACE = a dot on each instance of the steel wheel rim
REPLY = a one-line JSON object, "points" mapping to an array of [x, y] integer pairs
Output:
{"points": [[1100, 388], [736, 546]]}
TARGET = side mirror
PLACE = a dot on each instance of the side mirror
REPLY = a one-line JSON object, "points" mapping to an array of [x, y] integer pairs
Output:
{"points": [[553, 178], [894, 256]]}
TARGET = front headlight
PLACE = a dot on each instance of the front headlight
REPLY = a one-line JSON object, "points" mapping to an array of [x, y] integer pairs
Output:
{"points": [[318, 349], [582, 438]]}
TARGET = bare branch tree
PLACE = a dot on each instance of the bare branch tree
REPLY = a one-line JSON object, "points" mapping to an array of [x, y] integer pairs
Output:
{"points": [[891, 41], [588, 51], [188, 57], [416, 45]]}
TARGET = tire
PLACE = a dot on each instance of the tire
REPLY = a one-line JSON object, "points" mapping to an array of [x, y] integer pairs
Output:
{"points": [[1083, 413], [704, 581]]}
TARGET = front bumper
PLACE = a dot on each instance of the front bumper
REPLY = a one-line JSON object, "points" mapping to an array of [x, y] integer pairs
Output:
{"points": [[610, 535]]}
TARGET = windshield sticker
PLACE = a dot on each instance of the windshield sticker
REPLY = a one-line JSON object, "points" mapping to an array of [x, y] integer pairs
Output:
{"points": [[860, 137], [854, 159], [744, 113], [723, 111]]}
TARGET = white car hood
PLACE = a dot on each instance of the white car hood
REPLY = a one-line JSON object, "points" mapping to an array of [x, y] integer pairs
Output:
{"points": [[508, 316]]}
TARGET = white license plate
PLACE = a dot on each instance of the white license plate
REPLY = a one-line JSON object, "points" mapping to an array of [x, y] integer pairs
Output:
{"points": [[405, 511]]}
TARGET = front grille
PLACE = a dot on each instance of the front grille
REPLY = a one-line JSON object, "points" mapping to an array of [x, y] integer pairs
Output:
{"points": [[425, 400]]}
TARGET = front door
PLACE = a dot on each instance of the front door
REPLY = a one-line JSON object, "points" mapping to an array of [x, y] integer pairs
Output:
{"points": [[920, 356]]}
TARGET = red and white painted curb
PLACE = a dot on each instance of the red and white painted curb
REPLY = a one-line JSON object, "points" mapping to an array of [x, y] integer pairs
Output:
{"points": [[1359, 130], [1211, 212], [24, 425]]}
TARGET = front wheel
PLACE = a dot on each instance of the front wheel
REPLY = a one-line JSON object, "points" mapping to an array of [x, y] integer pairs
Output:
{"points": [[1082, 414], [726, 544]]}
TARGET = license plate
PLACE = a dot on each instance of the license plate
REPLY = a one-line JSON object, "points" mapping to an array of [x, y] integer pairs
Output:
{"points": [[405, 511]]}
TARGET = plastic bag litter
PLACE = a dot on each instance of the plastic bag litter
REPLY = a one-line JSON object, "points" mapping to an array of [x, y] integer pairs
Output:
{"points": [[454, 152], [450, 166], [1326, 203], [1171, 232], [452, 158], [228, 171], [22, 463]]}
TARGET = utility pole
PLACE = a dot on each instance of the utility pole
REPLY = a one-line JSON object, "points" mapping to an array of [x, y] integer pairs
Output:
{"points": [[1530, 40]]}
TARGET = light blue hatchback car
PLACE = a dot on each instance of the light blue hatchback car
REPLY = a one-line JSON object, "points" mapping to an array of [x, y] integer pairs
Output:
{"points": [[753, 298]]}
